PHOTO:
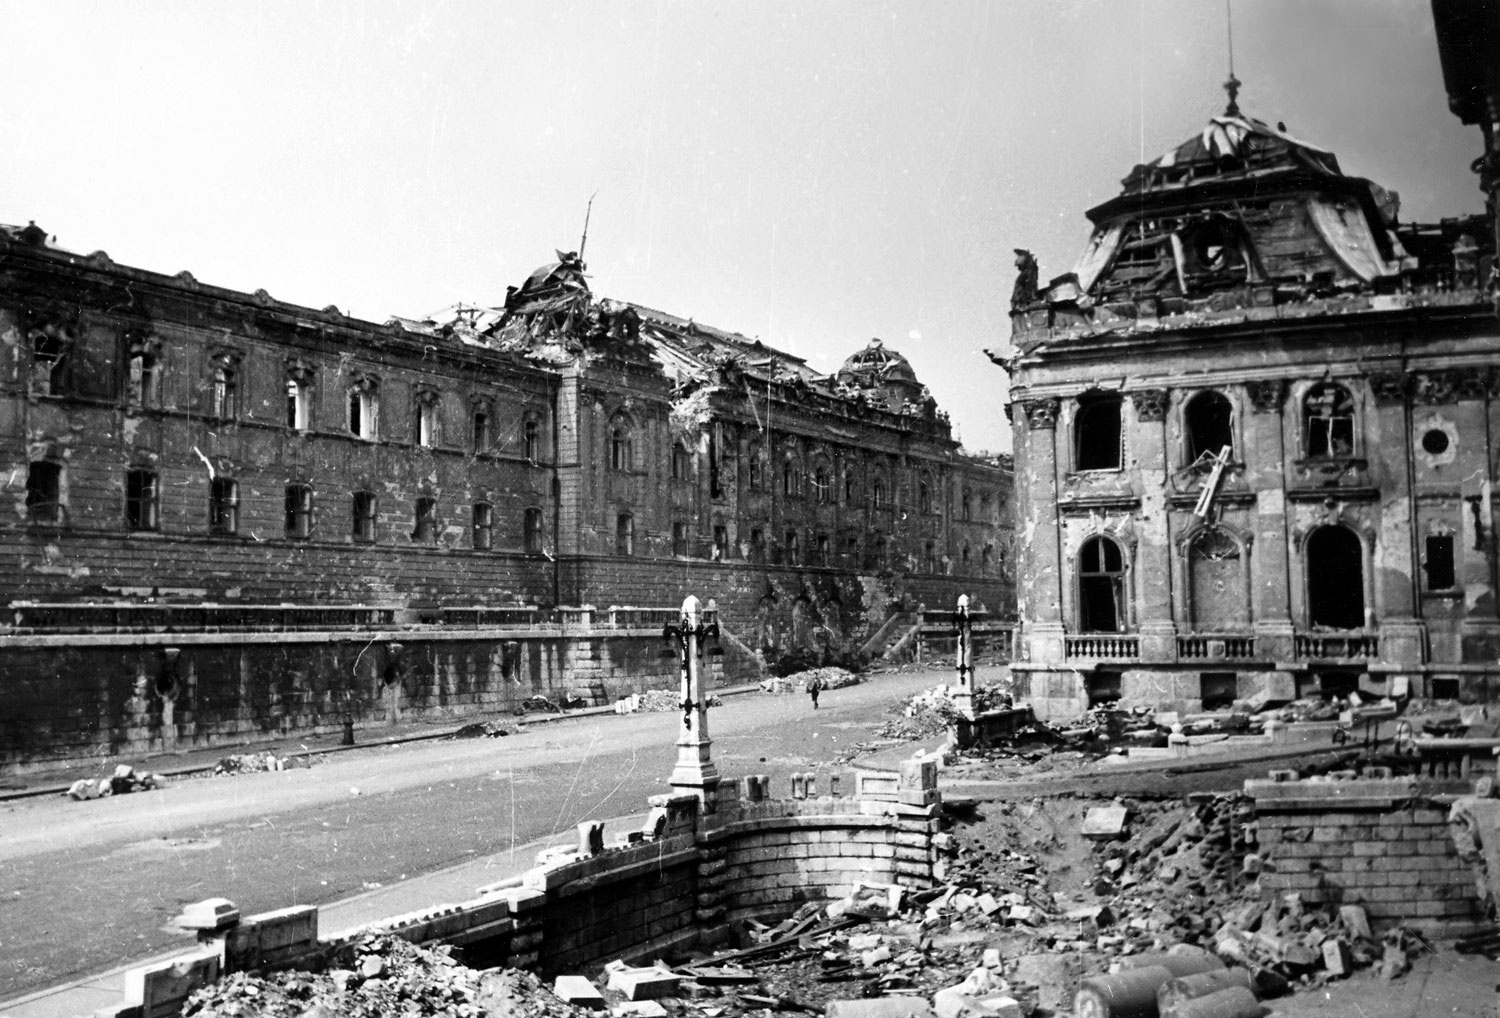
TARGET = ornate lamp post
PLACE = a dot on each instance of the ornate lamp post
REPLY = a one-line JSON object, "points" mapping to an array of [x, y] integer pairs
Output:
{"points": [[1468, 35], [695, 773], [963, 628]]}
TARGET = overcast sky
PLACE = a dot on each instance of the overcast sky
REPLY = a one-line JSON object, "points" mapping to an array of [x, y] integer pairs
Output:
{"points": [[811, 172]]}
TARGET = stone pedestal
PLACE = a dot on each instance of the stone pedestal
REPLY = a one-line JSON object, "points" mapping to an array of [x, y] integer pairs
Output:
{"points": [[1158, 641]]}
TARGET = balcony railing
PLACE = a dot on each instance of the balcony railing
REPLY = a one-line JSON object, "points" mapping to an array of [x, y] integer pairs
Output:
{"points": [[1215, 647], [1341, 647], [1102, 648]]}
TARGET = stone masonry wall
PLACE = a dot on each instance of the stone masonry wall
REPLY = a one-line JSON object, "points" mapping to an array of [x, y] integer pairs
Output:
{"points": [[675, 883], [1374, 843], [70, 699]]}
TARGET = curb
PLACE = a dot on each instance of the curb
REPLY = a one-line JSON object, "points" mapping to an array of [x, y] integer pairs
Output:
{"points": [[189, 770]]}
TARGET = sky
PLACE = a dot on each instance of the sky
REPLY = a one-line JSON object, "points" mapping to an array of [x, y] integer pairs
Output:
{"points": [[812, 173]]}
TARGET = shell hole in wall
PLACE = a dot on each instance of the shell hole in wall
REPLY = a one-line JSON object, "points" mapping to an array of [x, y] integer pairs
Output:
{"points": [[1435, 441]]}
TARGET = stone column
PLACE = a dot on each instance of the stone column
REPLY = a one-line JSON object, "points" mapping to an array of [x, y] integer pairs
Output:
{"points": [[1153, 565], [1265, 473], [1041, 575], [963, 626]]}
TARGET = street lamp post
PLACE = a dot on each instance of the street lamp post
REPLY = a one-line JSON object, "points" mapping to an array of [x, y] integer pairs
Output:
{"points": [[963, 628], [695, 773]]}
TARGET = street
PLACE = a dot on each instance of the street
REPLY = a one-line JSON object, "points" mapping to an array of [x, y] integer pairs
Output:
{"points": [[90, 885]]}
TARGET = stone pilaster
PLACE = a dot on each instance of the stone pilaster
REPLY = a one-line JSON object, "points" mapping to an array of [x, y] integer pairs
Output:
{"points": [[1158, 630], [1270, 582]]}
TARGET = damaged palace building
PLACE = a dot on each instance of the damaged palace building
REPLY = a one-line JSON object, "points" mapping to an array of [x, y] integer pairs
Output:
{"points": [[231, 516], [1254, 439]]}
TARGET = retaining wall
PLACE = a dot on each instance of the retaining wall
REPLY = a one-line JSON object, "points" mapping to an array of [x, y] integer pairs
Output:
{"points": [[71, 699], [1381, 844], [677, 883]]}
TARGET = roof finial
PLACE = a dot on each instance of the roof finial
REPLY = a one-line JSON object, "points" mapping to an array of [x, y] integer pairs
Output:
{"points": [[1232, 86]]}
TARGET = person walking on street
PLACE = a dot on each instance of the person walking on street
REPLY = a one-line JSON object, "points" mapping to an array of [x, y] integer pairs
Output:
{"points": [[814, 685]]}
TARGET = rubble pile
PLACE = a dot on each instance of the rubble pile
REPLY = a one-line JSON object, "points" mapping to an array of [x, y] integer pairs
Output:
{"points": [[929, 713], [255, 763], [375, 977], [660, 700], [123, 781], [485, 730], [831, 678]]}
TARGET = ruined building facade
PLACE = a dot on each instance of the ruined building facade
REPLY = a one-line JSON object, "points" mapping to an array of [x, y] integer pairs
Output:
{"points": [[229, 515], [1255, 436]]}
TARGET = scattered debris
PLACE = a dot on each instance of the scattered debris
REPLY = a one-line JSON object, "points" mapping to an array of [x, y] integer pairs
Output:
{"points": [[254, 763], [124, 780], [485, 730]]}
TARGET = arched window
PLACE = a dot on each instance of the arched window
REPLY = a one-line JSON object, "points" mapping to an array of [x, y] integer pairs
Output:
{"points": [[1096, 432], [621, 445], [966, 504], [624, 534], [924, 494], [1101, 587], [877, 492], [679, 539], [1335, 578], [987, 559], [482, 529], [792, 548], [1207, 419], [1328, 421], [682, 463], [848, 485], [531, 437], [929, 557], [963, 558]]}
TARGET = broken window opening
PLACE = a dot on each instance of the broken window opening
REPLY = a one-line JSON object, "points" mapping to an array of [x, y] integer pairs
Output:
{"points": [[963, 558], [754, 467], [757, 546], [848, 486], [427, 420], [721, 543], [715, 482], [298, 511], [1335, 578], [1438, 560], [50, 362], [298, 404], [364, 517], [791, 478], [924, 495], [821, 485], [1101, 587], [679, 540], [1103, 688], [792, 552], [1208, 418], [532, 441], [878, 552], [824, 550], [625, 534], [681, 464], [531, 531], [621, 447], [425, 531], [223, 507], [929, 557], [966, 505], [851, 550], [480, 432], [1218, 690], [1328, 421], [1098, 440], [363, 410], [987, 559], [44, 492], [142, 500], [225, 399], [143, 373], [877, 493], [482, 531]]}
